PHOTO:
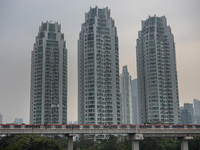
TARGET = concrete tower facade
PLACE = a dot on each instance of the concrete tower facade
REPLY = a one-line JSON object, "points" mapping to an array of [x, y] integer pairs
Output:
{"points": [[197, 111], [187, 114], [135, 109], [157, 73], [126, 97], [98, 69], [48, 99]]}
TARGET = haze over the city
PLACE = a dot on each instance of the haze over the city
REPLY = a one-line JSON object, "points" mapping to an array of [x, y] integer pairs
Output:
{"points": [[20, 21]]}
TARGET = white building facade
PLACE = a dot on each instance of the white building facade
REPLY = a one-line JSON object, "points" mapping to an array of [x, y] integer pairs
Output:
{"points": [[156, 73], [98, 69], [48, 99], [126, 97]]}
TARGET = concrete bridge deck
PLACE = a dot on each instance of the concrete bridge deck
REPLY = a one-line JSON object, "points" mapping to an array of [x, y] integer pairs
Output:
{"points": [[135, 135]]}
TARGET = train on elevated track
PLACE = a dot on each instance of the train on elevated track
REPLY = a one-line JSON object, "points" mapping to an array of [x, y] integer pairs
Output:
{"points": [[95, 126]]}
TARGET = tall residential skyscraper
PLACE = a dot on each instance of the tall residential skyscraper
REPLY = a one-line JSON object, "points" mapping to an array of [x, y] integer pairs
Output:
{"points": [[197, 110], [187, 114], [126, 97], [48, 99], [135, 109], [156, 73], [98, 69], [1, 118]]}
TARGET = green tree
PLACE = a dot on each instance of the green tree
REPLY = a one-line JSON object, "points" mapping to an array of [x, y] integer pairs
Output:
{"points": [[194, 144], [28, 142], [113, 143], [159, 144], [85, 144]]}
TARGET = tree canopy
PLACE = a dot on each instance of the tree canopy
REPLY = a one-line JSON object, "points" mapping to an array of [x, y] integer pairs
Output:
{"points": [[37, 142]]}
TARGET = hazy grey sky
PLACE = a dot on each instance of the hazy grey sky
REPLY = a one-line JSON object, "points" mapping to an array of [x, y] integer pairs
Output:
{"points": [[20, 21]]}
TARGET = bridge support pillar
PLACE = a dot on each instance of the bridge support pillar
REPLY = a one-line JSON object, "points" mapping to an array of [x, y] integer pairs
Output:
{"points": [[70, 141], [95, 139], [135, 138], [184, 142]]}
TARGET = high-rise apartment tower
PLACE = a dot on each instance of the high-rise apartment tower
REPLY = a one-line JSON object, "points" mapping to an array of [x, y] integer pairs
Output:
{"points": [[48, 104], [98, 69], [157, 73], [197, 111], [126, 97], [187, 114]]}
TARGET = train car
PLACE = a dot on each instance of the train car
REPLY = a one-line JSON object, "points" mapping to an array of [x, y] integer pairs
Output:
{"points": [[191, 126], [142, 126], [33, 126], [196, 126], [133, 126], [88, 126], [106, 126], [115, 126], [157, 126], [17, 126], [181, 126], [7, 126], [124, 126], [77, 126], [96, 126]]}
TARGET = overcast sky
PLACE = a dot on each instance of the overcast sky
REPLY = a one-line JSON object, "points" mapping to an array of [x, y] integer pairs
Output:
{"points": [[20, 21]]}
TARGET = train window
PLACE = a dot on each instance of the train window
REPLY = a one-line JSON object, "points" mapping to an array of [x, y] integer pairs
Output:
{"points": [[77, 127], [17, 126], [29, 126], [174, 126], [96, 126], [87, 127], [68, 126], [148, 126], [189, 126], [133, 126], [123, 126], [197, 126], [58, 126], [157, 126], [142, 126], [180, 126], [166, 126], [113, 126], [6, 126], [105, 126]]}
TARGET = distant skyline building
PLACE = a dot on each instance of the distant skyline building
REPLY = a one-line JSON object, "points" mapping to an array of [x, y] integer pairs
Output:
{"points": [[187, 114], [18, 121], [156, 73], [135, 107], [197, 111], [1, 118], [126, 97], [69, 122], [48, 99], [98, 69]]}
